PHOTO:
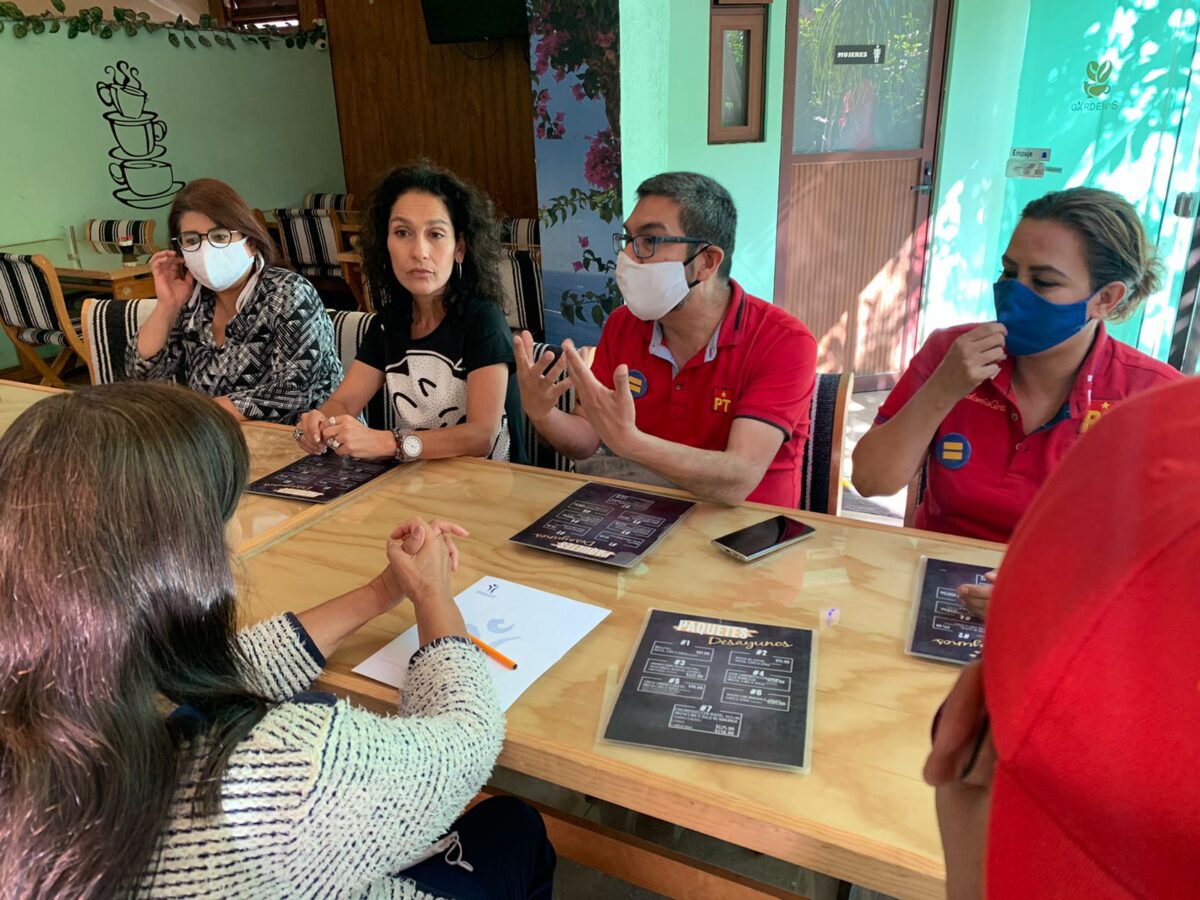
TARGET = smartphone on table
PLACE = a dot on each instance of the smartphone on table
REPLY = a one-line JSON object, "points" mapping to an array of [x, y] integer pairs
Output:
{"points": [[756, 541]]}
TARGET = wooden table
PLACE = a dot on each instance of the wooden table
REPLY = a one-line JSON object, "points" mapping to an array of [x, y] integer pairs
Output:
{"points": [[95, 268], [259, 520], [862, 814]]}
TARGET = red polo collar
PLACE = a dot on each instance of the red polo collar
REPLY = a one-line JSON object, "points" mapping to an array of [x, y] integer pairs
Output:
{"points": [[1098, 357]]}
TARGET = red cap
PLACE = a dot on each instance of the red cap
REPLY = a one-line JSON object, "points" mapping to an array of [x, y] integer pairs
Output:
{"points": [[1092, 667]]}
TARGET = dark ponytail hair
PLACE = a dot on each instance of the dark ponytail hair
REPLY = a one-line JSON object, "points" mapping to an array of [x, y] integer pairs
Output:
{"points": [[472, 217], [1117, 246], [115, 592]]}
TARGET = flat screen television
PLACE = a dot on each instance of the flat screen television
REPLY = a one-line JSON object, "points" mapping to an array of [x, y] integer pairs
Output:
{"points": [[460, 21]]}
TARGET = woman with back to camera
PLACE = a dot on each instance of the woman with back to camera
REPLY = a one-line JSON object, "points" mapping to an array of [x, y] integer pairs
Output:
{"points": [[440, 345], [147, 747], [227, 322], [995, 407]]}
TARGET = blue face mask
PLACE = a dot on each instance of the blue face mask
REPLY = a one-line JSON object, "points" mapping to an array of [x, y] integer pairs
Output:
{"points": [[1035, 324]]}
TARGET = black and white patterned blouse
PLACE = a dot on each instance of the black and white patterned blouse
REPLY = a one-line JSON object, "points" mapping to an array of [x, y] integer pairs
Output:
{"points": [[279, 359]]}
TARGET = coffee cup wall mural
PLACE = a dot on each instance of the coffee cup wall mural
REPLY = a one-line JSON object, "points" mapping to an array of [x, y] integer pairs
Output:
{"points": [[144, 180]]}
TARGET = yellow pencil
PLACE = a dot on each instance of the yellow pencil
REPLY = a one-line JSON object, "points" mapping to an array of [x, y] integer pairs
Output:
{"points": [[493, 653]]}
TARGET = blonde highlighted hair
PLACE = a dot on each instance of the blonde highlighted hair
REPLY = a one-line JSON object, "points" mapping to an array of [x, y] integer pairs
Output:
{"points": [[1115, 242]]}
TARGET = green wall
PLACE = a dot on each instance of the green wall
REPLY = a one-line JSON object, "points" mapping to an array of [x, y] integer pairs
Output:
{"points": [[1016, 79], [1123, 142], [668, 129], [263, 120], [979, 107]]}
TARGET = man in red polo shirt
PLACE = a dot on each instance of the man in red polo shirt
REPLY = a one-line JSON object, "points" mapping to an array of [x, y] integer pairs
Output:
{"points": [[693, 379]]}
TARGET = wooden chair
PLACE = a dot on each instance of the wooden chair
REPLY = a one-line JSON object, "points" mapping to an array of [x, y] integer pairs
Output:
{"points": [[329, 201], [521, 276], [105, 233], [346, 234], [540, 453], [309, 242], [34, 314], [821, 465], [916, 493], [349, 329], [108, 328]]}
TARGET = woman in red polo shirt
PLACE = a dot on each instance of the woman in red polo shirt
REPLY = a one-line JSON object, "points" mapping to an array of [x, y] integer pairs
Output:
{"points": [[991, 409]]}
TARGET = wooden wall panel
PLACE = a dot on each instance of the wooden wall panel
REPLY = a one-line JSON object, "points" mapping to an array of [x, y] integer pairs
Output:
{"points": [[399, 97], [849, 257]]}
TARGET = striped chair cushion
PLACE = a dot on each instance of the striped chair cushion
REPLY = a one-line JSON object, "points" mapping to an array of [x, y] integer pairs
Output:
{"points": [[326, 201], [25, 295], [520, 231], [822, 439], [349, 329], [539, 452], [521, 279], [309, 240], [39, 337], [108, 327], [106, 232], [320, 271]]}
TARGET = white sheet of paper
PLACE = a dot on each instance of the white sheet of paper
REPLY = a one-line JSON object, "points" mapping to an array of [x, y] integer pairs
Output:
{"points": [[532, 628]]}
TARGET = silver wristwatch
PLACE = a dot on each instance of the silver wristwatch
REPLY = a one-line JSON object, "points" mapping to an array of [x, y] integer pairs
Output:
{"points": [[408, 445]]}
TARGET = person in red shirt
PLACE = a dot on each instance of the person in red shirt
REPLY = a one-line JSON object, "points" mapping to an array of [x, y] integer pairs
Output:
{"points": [[693, 379], [1065, 762], [990, 410]]}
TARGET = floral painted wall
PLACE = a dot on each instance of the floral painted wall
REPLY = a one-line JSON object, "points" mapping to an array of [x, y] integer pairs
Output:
{"points": [[575, 52]]}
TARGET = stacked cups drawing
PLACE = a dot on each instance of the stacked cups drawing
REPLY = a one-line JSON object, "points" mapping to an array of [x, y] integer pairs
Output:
{"points": [[145, 180]]}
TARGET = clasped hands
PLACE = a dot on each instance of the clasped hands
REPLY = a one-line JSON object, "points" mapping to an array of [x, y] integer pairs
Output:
{"points": [[610, 411], [344, 435], [421, 558]]}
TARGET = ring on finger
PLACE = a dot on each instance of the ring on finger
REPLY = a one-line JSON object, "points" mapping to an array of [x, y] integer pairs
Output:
{"points": [[298, 433], [333, 444], [333, 420]]}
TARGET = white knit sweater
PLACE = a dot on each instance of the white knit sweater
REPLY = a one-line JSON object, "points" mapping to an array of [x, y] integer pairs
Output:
{"points": [[325, 800]]}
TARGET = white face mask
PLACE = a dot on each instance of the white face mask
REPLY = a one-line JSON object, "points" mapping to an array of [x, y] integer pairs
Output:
{"points": [[218, 268], [651, 290]]}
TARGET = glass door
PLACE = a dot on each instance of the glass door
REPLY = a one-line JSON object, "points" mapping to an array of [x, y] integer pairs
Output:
{"points": [[863, 85]]}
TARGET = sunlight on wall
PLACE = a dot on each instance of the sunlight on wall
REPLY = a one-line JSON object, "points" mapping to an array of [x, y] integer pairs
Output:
{"points": [[1123, 135], [976, 133]]}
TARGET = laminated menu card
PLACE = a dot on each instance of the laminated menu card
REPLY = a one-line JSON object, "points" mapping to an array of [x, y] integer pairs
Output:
{"points": [[605, 523], [737, 691], [319, 479], [942, 627]]}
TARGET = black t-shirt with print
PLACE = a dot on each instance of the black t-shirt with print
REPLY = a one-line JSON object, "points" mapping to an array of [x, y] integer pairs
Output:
{"points": [[426, 379]]}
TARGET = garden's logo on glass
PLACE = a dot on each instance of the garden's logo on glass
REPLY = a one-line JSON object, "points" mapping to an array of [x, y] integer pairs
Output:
{"points": [[1098, 73], [1096, 88]]}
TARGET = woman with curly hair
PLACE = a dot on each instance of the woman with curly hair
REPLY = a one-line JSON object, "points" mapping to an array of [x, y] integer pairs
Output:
{"points": [[440, 344]]}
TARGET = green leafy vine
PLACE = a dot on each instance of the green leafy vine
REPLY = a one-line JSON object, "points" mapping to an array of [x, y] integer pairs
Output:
{"points": [[606, 204], [575, 303], [181, 32]]}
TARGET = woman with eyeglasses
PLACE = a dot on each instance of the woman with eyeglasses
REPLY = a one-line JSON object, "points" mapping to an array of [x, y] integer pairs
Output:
{"points": [[228, 323], [440, 346]]}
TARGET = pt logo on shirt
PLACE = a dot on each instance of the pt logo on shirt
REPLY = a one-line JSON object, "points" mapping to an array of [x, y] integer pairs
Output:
{"points": [[638, 383], [953, 451], [722, 400], [1096, 409]]}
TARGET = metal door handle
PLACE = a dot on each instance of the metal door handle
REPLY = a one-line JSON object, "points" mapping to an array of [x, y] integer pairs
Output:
{"points": [[926, 184]]}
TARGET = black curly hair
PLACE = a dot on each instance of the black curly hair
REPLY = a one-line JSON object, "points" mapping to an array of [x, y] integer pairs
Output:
{"points": [[472, 217]]}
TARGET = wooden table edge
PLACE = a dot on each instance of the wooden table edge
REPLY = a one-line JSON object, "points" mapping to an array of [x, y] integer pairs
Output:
{"points": [[248, 549], [829, 851]]}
